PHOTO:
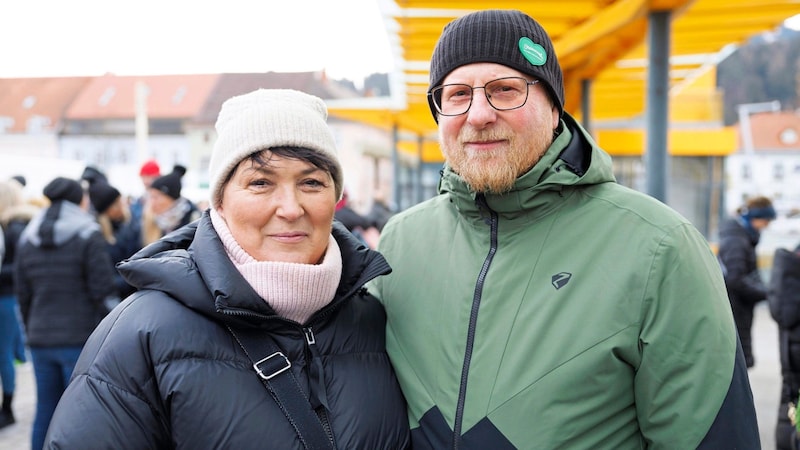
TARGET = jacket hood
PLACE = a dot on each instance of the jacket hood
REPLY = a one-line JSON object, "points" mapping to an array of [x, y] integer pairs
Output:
{"points": [[191, 265], [573, 159], [57, 224]]}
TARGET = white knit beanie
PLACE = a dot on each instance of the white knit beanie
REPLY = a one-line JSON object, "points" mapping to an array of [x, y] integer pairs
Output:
{"points": [[264, 119]]}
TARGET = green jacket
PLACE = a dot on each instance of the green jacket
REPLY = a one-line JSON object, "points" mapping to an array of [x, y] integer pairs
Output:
{"points": [[569, 313]]}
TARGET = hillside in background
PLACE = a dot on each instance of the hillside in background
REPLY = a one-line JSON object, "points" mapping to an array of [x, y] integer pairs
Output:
{"points": [[763, 70]]}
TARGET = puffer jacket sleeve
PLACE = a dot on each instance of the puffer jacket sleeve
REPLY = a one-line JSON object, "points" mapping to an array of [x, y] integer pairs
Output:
{"points": [[98, 411], [22, 288], [688, 334], [99, 270], [741, 275]]}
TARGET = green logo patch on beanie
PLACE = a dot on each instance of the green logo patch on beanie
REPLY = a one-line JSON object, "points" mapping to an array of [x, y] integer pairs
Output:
{"points": [[533, 52]]}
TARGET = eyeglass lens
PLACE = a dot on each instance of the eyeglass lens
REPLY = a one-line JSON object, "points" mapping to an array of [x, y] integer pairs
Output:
{"points": [[502, 94]]}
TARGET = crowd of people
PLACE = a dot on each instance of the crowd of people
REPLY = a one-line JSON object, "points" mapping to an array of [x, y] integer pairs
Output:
{"points": [[59, 276], [533, 303]]}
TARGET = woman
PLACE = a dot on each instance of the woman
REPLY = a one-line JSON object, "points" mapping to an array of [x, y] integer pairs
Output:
{"points": [[738, 237], [63, 277], [122, 234], [14, 216], [166, 210], [172, 366]]}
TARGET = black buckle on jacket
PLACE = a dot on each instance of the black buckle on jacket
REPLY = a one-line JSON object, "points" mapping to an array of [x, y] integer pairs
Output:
{"points": [[273, 365]]}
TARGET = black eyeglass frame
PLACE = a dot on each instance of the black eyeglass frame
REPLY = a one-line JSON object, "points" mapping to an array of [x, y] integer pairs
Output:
{"points": [[432, 97]]}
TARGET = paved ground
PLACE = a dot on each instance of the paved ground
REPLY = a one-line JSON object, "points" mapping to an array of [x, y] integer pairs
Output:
{"points": [[764, 378]]}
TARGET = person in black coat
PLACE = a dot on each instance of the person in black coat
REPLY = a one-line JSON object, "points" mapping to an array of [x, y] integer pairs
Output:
{"points": [[62, 279], [784, 305], [14, 216], [738, 238], [174, 365], [122, 233]]}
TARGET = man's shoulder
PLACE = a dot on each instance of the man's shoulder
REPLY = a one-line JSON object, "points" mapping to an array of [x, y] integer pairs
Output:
{"points": [[634, 203], [421, 214]]}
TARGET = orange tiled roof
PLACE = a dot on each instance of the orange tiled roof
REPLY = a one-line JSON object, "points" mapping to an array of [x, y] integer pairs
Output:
{"points": [[776, 131], [170, 96], [23, 99]]}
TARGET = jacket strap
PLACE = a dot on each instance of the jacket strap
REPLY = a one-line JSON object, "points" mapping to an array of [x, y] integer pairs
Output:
{"points": [[274, 370]]}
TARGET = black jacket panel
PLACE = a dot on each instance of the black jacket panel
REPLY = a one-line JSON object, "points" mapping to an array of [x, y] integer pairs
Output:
{"points": [[737, 254]]}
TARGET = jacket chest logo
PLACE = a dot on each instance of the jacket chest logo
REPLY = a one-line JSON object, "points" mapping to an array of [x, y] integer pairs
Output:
{"points": [[560, 279]]}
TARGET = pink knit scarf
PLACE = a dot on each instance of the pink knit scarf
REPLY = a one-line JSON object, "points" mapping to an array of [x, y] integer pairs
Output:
{"points": [[295, 291]]}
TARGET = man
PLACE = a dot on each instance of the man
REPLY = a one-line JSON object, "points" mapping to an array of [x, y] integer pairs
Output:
{"points": [[535, 303]]}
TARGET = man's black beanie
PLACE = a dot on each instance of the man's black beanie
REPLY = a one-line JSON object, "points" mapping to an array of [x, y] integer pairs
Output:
{"points": [[507, 37]]}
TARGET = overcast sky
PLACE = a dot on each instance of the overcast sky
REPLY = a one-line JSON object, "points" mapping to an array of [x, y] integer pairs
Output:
{"points": [[347, 38]]}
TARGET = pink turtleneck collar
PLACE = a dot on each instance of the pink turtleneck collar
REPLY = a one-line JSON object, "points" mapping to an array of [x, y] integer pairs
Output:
{"points": [[295, 291]]}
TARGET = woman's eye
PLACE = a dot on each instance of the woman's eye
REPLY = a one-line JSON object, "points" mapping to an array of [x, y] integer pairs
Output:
{"points": [[313, 183], [259, 182]]}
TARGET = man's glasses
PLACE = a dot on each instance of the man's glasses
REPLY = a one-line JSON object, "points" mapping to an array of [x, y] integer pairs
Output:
{"points": [[503, 94]]}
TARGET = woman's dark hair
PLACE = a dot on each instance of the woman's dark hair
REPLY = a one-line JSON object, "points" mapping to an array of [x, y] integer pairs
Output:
{"points": [[314, 157]]}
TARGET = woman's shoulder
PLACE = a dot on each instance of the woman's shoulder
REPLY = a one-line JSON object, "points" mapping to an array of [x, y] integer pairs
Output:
{"points": [[153, 324]]}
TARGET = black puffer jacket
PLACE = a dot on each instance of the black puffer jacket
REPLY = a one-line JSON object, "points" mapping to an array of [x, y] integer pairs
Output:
{"points": [[737, 253], [13, 222], [163, 370], [62, 276], [784, 305]]}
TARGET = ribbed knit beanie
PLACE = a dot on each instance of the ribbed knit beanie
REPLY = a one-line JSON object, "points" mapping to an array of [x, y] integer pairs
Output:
{"points": [[102, 195], [170, 183], [64, 189], [507, 37], [264, 119], [92, 174]]}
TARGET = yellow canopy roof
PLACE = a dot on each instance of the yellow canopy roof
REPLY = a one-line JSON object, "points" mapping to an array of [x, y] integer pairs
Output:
{"points": [[599, 40]]}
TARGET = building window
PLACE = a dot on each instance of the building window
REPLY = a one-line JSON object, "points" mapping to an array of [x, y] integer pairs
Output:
{"points": [[789, 136], [777, 171]]}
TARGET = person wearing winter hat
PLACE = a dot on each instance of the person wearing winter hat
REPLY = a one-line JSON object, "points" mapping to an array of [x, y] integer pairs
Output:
{"points": [[594, 312], [121, 232], [166, 210], [267, 265], [148, 172], [63, 279], [738, 237]]}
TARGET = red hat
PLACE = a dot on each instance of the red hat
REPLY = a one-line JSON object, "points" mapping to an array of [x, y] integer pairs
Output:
{"points": [[150, 169]]}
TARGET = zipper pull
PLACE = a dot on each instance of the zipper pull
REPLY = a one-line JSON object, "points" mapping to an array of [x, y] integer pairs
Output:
{"points": [[310, 339]]}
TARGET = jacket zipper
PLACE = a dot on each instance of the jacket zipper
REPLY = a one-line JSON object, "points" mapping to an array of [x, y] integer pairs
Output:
{"points": [[473, 318], [311, 342]]}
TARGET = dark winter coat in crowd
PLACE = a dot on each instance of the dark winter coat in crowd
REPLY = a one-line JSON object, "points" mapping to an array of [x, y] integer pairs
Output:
{"points": [[737, 252], [13, 222], [182, 380], [351, 219], [784, 305], [63, 276], [127, 241], [737, 256]]}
